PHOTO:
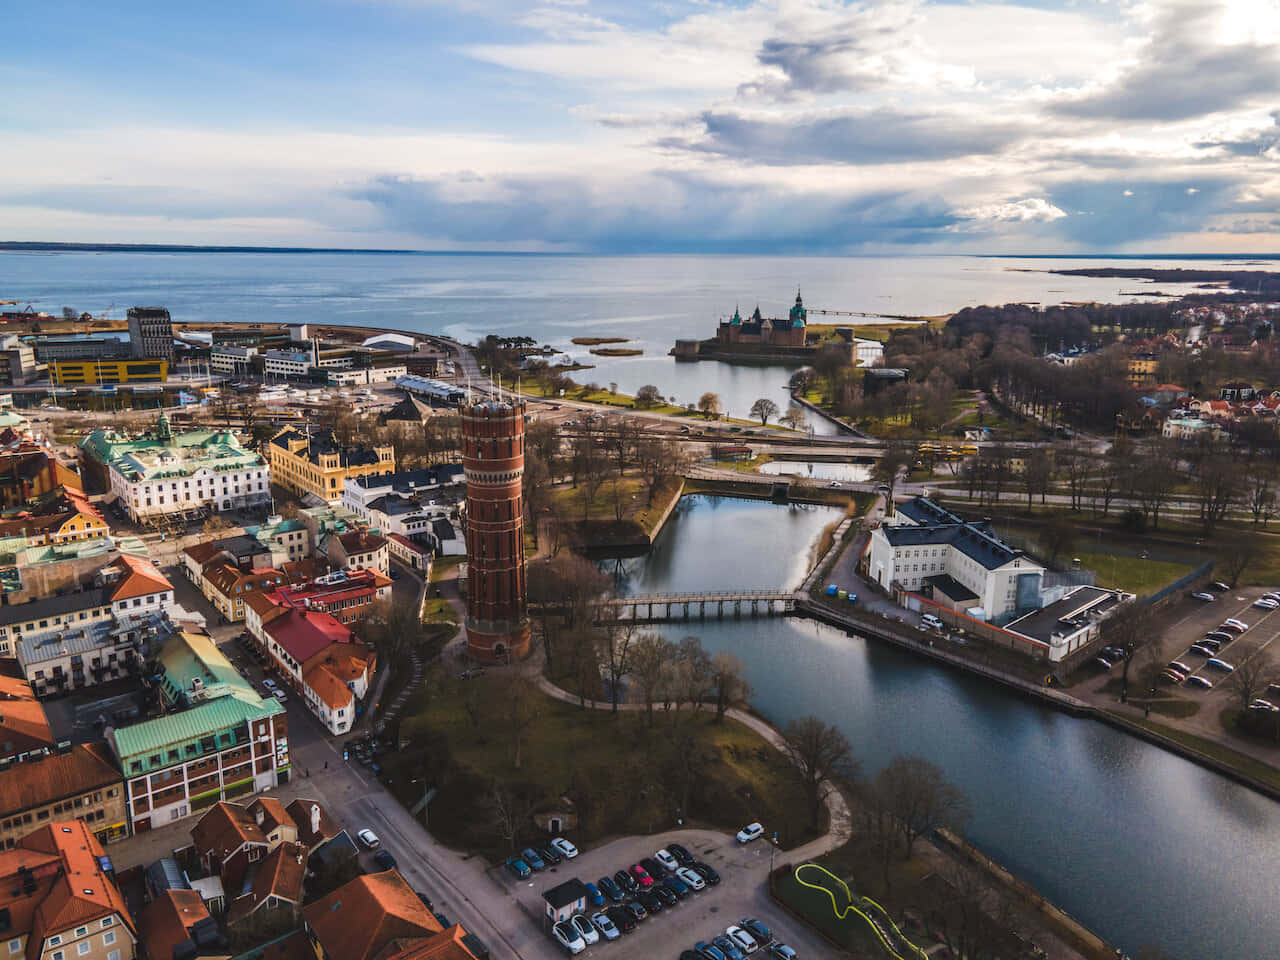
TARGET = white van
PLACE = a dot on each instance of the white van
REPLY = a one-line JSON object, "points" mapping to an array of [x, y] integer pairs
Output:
{"points": [[931, 622]]}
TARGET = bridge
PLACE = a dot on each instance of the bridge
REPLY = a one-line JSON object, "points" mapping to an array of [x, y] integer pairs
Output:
{"points": [[675, 607]]}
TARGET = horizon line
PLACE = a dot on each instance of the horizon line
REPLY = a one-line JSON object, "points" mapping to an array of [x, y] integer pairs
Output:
{"points": [[78, 246]]}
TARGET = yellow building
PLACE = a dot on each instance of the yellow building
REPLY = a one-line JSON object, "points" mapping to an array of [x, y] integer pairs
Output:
{"points": [[73, 373], [314, 462], [1142, 369]]}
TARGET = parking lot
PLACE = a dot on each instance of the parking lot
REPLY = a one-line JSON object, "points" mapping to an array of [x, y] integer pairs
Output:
{"points": [[1188, 624], [741, 893]]}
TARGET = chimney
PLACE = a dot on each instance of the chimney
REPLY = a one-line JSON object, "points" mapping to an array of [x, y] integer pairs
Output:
{"points": [[259, 816], [315, 818]]}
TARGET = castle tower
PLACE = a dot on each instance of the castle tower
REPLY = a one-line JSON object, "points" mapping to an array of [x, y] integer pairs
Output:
{"points": [[493, 459]]}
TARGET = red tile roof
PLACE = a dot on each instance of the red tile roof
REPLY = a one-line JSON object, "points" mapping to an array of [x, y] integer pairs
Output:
{"points": [[304, 633], [273, 813], [22, 719], [140, 578], [360, 541], [223, 830], [39, 782], [167, 921], [279, 874], [443, 946], [300, 811], [331, 690], [359, 919], [407, 543]]}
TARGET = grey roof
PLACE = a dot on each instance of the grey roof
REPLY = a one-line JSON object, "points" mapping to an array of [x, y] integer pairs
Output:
{"points": [[56, 606], [951, 588], [1067, 614], [922, 510], [569, 892], [394, 505], [409, 481], [321, 442], [443, 530], [969, 538]]}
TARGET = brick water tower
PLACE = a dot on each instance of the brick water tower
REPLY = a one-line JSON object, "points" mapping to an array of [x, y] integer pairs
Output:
{"points": [[493, 458]]}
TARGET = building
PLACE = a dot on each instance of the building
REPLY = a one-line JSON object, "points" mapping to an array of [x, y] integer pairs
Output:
{"points": [[220, 741], [1142, 367], [789, 332], [288, 538], [316, 654], [924, 545], [413, 555], [79, 373], [379, 917], [31, 472], [289, 364], [1189, 428], [314, 462], [346, 595], [435, 392], [18, 365], [227, 587], [176, 925], [564, 900], [230, 359], [1070, 623], [61, 517], [378, 373], [493, 459], [80, 347], [24, 730], [185, 475], [59, 899], [358, 550], [426, 484], [150, 333], [35, 572], [78, 781], [229, 839], [74, 640]]}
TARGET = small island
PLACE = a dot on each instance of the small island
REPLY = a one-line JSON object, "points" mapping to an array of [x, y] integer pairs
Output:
{"points": [[597, 341], [616, 352]]}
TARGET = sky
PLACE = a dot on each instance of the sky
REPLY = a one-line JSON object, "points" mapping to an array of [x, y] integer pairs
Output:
{"points": [[755, 126]]}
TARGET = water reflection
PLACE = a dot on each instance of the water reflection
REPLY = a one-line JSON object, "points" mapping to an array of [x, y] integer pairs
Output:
{"points": [[849, 472]]}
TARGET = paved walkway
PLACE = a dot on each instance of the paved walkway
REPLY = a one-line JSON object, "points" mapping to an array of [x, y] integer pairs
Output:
{"points": [[840, 827]]}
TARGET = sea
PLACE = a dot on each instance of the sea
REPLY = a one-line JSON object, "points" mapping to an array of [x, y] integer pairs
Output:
{"points": [[650, 300]]}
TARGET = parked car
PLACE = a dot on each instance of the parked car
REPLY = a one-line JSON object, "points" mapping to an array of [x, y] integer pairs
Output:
{"points": [[708, 951], [1206, 597], [690, 954], [568, 937], [758, 930], [681, 854], [707, 872], [1219, 586], [752, 831], [654, 868], [594, 896], [368, 838], [780, 951], [636, 909], [611, 889], [1198, 681], [930, 622], [626, 881], [664, 892], [1217, 664], [678, 887], [691, 878], [549, 855], [1200, 651], [1239, 625], [1177, 666], [530, 856], [745, 941], [280, 695], [586, 929], [641, 876], [669, 863], [1210, 644], [1221, 636], [564, 848], [608, 929], [519, 868], [1262, 705], [269, 683], [622, 918], [727, 947], [1114, 654], [1103, 662], [1172, 676], [1262, 603], [385, 860], [652, 902]]}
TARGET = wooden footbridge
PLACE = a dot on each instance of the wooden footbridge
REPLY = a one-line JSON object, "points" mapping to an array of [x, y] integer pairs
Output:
{"points": [[675, 607]]}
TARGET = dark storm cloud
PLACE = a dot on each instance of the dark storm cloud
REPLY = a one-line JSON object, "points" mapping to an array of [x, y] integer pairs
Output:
{"points": [[667, 212], [869, 136]]}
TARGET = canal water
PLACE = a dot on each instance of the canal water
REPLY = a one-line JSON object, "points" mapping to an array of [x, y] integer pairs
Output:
{"points": [[1142, 846], [848, 472]]}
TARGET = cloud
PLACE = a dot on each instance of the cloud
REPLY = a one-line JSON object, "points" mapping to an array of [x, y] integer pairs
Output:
{"points": [[668, 211], [1147, 211], [1028, 210], [1195, 61], [881, 135], [1257, 141]]}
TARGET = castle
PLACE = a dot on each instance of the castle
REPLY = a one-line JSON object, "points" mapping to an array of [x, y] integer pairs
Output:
{"points": [[764, 330]]}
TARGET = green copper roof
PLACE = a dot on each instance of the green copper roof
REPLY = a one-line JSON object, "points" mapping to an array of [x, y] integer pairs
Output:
{"points": [[155, 737], [150, 458], [186, 658]]}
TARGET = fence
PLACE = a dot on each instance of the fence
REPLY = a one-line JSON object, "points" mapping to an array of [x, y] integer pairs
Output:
{"points": [[1179, 585]]}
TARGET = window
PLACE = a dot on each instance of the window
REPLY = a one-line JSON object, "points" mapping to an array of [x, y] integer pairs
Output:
{"points": [[81, 931], [108, 921], [113, 955], [54, 941], [109, 938], [15, 946], [83, 947], [58, 955]]}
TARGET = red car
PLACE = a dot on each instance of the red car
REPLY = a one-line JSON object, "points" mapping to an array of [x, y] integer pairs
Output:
{"points": [[641, 875]]}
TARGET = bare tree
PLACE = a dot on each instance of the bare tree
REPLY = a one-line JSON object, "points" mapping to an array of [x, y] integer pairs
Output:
{"points": [[1235, 561], [648, 396], [764, 408], [1215, 480], [728, 684], [1076, 466], [616, 640], [536, 490], [1260, 489], [793, 418], [515, 706], [695, 672], [1058, 536], [970, 915], [1037, 471], [709, 405], [1127, 629], [920, 798], [509, 808], [819, 754], [658, 461], [1249, 679], [650, 657]]}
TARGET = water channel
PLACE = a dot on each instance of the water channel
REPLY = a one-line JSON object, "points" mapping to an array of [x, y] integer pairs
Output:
{"points": [[1142, 846]]}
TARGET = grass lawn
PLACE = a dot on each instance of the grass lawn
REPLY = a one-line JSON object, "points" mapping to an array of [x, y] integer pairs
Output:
{"points": [[620, 772], [1143, 577], [437, 610], [442, 567]]}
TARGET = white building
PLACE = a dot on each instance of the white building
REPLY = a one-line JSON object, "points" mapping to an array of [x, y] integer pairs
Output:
{"points": [[868, 353], [1189, 428], [288, 363], [1070, 623], [234, 360], [924, 544], [184, 474], [366, 375]]}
